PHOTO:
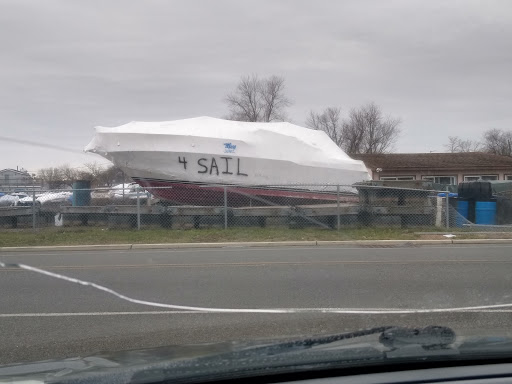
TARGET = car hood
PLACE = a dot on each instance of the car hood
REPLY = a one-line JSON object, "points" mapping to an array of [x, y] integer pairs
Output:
{"points": [[228, 360]]}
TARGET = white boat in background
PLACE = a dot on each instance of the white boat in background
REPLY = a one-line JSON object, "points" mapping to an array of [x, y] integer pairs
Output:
{"points": [[128, 191], [50, 197], [12, 199], [277, 162]]}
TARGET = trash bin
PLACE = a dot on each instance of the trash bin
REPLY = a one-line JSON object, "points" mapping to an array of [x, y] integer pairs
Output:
{"points": [[462, 212], [81, 193], [485, 212], [475, 190], [503, 210]]}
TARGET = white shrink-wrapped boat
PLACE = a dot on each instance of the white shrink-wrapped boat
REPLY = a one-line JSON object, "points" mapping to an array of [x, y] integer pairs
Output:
{"points": [[195, 158]]}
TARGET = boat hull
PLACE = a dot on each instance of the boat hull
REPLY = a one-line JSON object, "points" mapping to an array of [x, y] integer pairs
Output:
{"points": [[183, 192]]}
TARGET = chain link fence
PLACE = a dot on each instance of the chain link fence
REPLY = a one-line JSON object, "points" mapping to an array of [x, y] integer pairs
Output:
{"points": [[184, 206]]}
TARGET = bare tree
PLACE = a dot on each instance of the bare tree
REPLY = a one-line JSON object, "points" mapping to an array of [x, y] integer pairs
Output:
{"points": [[275, 101], [52, 177], [69, 175], [92, 173], [58, 177], [354, 132], [498, 142], [366, 130], [330, 122], [110, 176], [453, 144], [244, 103], [258, 99], [456, 144], [380, 132], [494, 141]]}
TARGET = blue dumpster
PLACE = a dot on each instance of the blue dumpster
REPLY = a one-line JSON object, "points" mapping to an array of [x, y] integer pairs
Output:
{"points": [[81, 193], [485, 212], [462, 212]]}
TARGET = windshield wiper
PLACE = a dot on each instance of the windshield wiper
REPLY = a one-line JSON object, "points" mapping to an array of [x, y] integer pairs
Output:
{"points": [[306, 343], [307, 353], [431, 337]]}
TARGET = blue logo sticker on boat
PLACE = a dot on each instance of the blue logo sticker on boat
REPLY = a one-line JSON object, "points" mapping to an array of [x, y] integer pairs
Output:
{"points": [[229, 148]]}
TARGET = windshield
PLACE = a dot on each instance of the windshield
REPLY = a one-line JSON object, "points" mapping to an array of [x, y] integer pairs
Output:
{"points": [[178, 173]]}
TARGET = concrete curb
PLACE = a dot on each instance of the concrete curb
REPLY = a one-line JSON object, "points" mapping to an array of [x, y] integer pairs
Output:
{"points": [[384, 242], [482, 241], [311, 243]]}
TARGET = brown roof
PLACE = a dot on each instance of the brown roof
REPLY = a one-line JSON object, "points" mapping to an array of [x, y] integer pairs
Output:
{"points": [[438, 161]]}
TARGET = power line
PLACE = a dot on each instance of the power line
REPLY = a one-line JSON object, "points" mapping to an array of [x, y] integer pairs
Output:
{"points": [[49, 146], [38, 144]]}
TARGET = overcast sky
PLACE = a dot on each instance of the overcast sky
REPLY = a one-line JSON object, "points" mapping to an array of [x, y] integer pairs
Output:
{"points": [[444, 67]]}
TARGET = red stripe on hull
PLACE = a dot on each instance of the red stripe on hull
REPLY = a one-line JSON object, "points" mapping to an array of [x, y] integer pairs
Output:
{"points": [[196, 194]]}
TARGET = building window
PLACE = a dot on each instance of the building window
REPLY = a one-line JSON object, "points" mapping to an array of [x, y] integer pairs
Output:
{"points": [[480, 177], [446, 180], [396, 178], [508, 177]]}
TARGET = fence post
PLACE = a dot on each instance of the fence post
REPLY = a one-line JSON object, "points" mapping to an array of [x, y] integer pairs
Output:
{"points": [[225, 207], [338, 207], [138, 208], [439, 211], [34, 224], [447, 209]]}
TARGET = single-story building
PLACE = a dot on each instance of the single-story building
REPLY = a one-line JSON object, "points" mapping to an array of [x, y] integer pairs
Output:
{"points": [[441, 168], [13, 179]]}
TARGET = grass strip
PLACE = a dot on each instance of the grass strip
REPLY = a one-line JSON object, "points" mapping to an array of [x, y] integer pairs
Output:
{"points": [[94, 235]]}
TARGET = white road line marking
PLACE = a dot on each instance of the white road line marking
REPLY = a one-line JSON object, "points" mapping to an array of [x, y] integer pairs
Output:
{"points": [[150, 313], [143, 302], [66, 314], [255, 310]]}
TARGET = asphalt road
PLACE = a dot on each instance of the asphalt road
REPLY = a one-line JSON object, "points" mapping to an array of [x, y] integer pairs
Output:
{"points": [[315, 290]]}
